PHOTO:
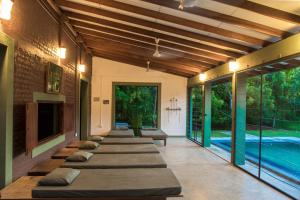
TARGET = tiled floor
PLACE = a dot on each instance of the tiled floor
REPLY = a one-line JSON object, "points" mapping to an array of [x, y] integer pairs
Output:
{"points": [[204, 175]]}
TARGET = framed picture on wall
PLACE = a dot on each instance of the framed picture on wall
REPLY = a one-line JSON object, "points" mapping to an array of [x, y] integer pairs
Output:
{"points": [[54, 78]]}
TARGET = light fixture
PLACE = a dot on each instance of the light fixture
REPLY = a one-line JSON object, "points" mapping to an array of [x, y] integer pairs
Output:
{"points": [[233, 65], [62, 52], [81, 68], [5, 9], [202, 77]]}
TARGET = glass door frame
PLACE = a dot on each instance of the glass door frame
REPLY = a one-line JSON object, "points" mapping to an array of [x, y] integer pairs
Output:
{"points": [[189, 119]]}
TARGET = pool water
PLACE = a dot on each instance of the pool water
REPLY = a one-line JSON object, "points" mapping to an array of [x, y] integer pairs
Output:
{"points": [[279, 156]]}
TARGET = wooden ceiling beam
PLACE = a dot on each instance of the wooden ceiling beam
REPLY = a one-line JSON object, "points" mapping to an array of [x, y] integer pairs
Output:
{"points": [[263, 10], [204, 55], [135, 30], [181, 21], [223, 18], [114, 47], [93, 35], [154, 25], [141, 63]]}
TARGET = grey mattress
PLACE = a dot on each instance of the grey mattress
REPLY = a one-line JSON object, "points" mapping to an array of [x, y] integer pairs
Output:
{"points": [[118, 161], [121, 133], [153, 133], [127, 149], [96, 183], [127, 141]]}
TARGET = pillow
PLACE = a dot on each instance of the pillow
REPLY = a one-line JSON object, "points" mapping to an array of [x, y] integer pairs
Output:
{"points": [[79, 156], [96, 138], [59, 177], [88, 145]]}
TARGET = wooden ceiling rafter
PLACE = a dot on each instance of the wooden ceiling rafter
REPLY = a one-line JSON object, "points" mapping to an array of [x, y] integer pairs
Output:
{"points": [[224, 18], [164, 37], [181, 62], [154, 25], [141, 62], [263, 10], [92, 35], [181, 21], [140, 52], [103, 31]]}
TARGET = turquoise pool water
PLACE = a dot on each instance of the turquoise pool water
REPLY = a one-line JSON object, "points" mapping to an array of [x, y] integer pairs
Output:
{"points": [[279, 156]]}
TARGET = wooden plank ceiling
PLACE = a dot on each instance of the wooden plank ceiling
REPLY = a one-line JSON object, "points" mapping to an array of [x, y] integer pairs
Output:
{"points": [[205, 34]]}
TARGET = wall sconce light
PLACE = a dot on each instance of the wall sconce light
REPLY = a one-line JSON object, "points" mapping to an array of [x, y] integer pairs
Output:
{"points": [[233, 65], [5, 9], [62, 52], [81, 68], [202, 77]]}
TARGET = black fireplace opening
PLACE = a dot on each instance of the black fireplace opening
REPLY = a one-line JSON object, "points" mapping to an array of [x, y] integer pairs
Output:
{"points": [[50, 120]]}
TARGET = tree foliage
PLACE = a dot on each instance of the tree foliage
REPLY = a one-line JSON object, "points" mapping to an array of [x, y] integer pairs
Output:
{"points": [[136, 105]]}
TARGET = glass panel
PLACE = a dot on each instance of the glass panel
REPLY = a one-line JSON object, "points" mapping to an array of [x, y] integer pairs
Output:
{"points": [[280, 153], [195, 114], [253, 97], [221, 118], [136, 106]]}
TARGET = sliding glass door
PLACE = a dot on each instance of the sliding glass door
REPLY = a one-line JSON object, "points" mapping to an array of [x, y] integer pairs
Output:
{"points": [[221, 100], [194, 125], [272, 149]]}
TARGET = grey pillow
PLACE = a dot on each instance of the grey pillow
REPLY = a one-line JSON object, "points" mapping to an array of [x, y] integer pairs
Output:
{"points": [[88, 145], [96, 138], [79, 156], [59, 177]]}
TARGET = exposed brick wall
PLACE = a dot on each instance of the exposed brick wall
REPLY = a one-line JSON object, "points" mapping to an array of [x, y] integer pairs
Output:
{"points": [[36, 35]]}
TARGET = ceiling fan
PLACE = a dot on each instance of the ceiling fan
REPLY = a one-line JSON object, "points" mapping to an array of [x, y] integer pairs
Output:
{"points": [[187, 4], [156, 53], [164, 55]]}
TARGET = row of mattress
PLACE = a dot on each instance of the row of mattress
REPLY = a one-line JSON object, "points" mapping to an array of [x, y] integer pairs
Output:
{"points": [[110, 167]]}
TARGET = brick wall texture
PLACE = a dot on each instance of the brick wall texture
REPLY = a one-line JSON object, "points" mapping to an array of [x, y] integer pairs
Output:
{"points": [[36, 33]]}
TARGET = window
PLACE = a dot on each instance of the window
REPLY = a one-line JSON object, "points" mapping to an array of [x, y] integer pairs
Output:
{"points": [[221, 99], [272, 148], [136, 106]]}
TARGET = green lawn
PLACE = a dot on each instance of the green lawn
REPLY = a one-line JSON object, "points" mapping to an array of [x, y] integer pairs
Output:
{"points": [[219, 133], [266, 133], [276, 133]]}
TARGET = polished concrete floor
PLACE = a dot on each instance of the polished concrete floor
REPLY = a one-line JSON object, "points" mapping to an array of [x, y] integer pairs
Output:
{"points": [[204, 175]]}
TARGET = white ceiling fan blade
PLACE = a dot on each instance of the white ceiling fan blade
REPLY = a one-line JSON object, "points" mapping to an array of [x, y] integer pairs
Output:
{"points": [[187, 3], [156, 53]]}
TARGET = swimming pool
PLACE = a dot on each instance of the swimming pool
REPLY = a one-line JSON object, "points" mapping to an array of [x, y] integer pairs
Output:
{"points": [[282, 157]]}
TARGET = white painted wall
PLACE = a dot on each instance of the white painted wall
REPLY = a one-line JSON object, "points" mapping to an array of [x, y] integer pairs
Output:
{"points": [[105, 72]]}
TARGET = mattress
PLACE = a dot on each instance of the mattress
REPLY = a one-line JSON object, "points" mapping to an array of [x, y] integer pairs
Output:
{"points": [[126, 149], [155, 134], [127, 141], [93, 183], [121, 133], [118, 161]]}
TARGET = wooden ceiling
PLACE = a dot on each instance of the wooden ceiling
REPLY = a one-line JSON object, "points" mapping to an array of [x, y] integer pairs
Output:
{"points": [[192, 40]]}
